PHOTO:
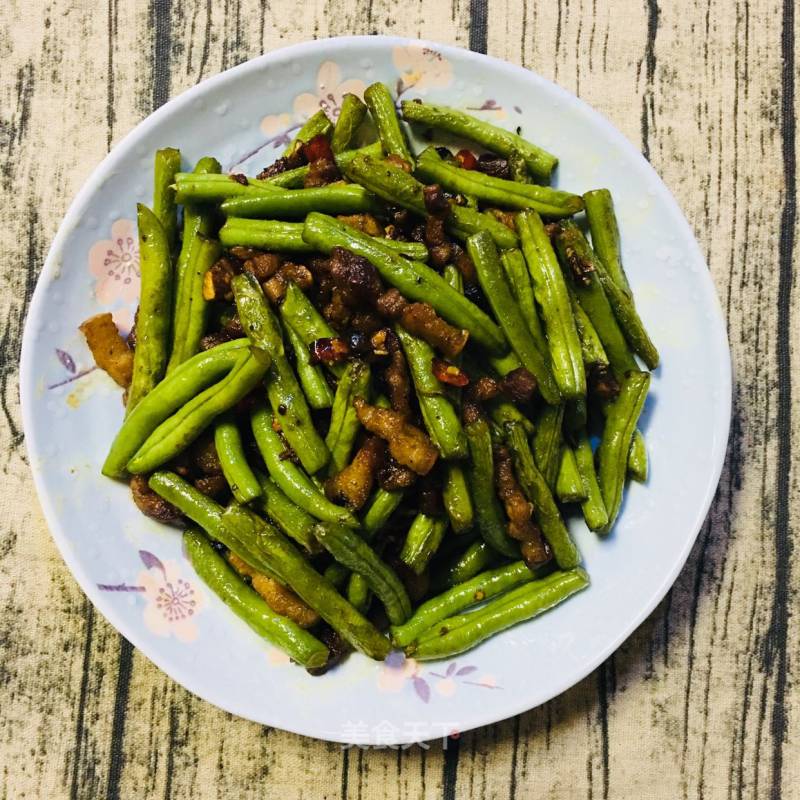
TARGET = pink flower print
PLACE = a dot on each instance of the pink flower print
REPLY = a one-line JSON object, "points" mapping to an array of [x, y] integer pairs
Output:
{"points": [[330, 89], [172, 601], [395, 671], [275, 124], [114, 263], [446, 687], [421, 68]]}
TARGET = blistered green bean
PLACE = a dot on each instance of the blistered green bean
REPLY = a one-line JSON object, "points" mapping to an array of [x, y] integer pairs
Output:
{"points": [[538, 492], [264, 234], [573, 250], [552, 296], [317, 124], [177, 432], [306, 582], [177, 389], [316, 389], [615, 443], [569, 485], [605, 235], [593, 507], [198, 224], [155, 307], [167, 165], [520, 604], [438, 414], [299, 644], [540, 162], [294, 483], [337, 198], [233, 459], [349, 549], [294, 521], [480, 475], [422, 541], [490, 275], [549, 202], [384, 114], [519, 280], [475, 590], [351, 114], [547, 440], [300, 314], [456, 498], [344, 426]]}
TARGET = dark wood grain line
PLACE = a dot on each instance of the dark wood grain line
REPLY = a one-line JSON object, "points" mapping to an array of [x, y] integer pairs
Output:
{"points": [[262, 24], [557, 50], [206, 43], [161, 17], [13, 132], [746, 704], [112, 15], [775, 650], [345, 769], [78, 765], [512, 778], [648, 102], [603, 677], [478, 25], [450, 767], [117, 749], [23, 275], [170, 761]]}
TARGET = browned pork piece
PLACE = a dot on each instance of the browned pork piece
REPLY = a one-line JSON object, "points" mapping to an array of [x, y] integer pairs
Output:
{"points": [[601, 381], [281, 600], [396, 376], [353, 484], [212, 486], [262, 265], [408, 445], [393, 476], [535, 550], [365, 223], [109, 350], [519, 385], [322, 168], [151, 504], [275, 287], [355, 277], [217, 280], [421, 320]]}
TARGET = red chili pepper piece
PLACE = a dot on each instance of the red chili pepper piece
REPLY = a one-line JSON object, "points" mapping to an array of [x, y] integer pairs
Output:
{"points": [[328, 350], [449, 373], [316, 148], [466, 159]]}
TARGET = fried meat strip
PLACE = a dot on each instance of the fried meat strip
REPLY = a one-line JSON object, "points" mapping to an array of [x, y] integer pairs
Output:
{"points": [[152, 504], [535, 550], [352, 486], [408, 445], [109, 350], [281, 600], [421, 320]]}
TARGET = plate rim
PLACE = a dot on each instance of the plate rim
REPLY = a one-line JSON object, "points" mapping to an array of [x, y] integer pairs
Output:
{"points": [[27, 379]]}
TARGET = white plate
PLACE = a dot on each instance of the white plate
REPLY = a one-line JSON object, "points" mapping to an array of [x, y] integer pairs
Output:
{"points": [[133, 569]]}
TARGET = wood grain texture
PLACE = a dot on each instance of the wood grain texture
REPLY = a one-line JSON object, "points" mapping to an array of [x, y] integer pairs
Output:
{"points": [[699, 702]]}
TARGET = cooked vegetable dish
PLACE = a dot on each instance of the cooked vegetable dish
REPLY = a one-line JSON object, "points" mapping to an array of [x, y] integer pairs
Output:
{"points": [[369, 383]]}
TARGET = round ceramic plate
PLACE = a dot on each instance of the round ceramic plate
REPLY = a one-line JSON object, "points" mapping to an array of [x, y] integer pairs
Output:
{"points": [[133, 569]]}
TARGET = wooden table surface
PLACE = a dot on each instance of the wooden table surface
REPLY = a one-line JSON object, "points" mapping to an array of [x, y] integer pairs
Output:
{"points": [[701, 702]]}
